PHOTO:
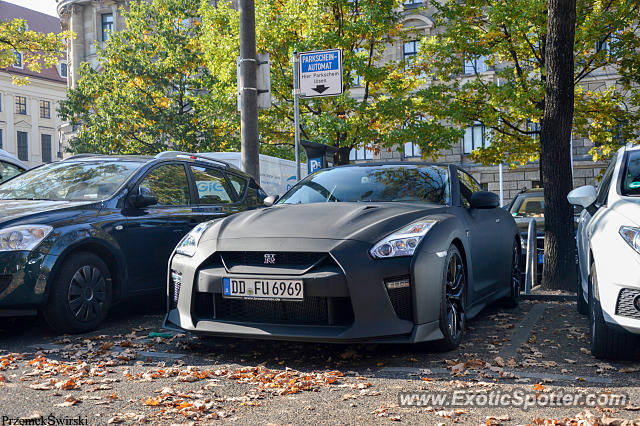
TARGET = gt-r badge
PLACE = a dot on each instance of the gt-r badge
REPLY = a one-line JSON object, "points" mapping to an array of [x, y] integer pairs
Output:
{"points": [[269, 259]]}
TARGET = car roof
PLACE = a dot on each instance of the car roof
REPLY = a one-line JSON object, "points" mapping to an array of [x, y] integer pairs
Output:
{"points": [[631, 147], [197, 158], [10, 158], [396, 163]]}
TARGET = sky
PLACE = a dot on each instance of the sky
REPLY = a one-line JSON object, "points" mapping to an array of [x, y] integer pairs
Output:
{"points": [[44, 6]]}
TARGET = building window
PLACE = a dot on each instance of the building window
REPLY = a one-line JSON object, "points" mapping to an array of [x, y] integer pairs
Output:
{"points": [[23, 146], [63, 69], [358, 80], [476, 136], [45, 141], [21, 105], [1, 140], [412, 3], [473, 66], [410, 50], [412, 150], [45, 109], [0, 102], [603, 45], [107, 25], [364, 153], [18, 63]]}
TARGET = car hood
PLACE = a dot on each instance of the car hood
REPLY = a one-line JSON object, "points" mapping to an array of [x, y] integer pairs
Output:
{"points": [[16, 210], [629, 207], [367, 222]]}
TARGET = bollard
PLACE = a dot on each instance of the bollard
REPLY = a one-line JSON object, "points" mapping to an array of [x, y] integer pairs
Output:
{"points": [[532, 257]]}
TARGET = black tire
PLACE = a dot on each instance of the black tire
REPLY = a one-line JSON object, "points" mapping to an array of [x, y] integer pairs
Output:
{"points": [[453, 301], [80, 295], [581, 302], [607, 343], [515, 281]]}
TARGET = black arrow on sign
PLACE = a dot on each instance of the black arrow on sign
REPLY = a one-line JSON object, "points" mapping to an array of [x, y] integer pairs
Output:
{"points": [[320, 88]]}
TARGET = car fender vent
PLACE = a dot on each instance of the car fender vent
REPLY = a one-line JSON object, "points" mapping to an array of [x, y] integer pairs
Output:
{"points": [[400, 294]]}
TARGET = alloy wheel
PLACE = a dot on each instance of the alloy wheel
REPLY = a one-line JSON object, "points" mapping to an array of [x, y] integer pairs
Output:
{"points": [[516, 273], [455, 296], [87, 294]]}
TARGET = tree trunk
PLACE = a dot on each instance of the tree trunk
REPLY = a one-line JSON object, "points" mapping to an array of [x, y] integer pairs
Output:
{"points": [[341, 157], [555, 155]]}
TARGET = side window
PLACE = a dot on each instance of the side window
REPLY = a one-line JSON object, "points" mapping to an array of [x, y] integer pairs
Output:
{"points": [[603, 191], [212, 186], [468, 186], [169, 184], [239, 184], [7, 171]]}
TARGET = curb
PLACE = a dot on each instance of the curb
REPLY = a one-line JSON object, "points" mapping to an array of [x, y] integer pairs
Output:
{"points": [[549, 297]]}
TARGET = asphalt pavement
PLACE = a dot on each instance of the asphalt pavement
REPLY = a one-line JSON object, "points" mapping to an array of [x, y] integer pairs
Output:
{"points": [[127, 373]]}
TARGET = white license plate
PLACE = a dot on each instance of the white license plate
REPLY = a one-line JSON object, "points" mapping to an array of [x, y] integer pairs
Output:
{"points": [[264, 289]]}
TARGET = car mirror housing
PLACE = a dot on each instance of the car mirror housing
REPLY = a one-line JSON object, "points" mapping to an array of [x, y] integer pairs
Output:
{"points": [[584, 196], [271, 200], [484, 200], [144, 198]]}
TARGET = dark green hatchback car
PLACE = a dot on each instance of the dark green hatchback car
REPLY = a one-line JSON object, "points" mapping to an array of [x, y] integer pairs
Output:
{"points": [[79, 234]]}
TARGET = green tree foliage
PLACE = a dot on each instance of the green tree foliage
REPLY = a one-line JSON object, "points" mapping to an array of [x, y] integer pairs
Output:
{"points": [[151, 91], [37, 49], [511, 38], [378, 109]]}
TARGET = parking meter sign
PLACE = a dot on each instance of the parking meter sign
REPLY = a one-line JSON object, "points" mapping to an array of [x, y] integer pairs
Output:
{"points": [[321, 73]]}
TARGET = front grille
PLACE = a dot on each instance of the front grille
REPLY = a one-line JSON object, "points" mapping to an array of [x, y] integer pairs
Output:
{"points": [[5, 280], [626, 303], [401, 301], [232, 258], [310, 311]]}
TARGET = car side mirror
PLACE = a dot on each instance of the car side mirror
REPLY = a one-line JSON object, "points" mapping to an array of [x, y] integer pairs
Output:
{"points": [[584, 196], [484, 200], [144, 198], [271, 200]]}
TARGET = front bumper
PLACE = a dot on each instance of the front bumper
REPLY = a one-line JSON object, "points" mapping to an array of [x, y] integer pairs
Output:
{"points": [[346, 297], [619, 285], [23, 281]]}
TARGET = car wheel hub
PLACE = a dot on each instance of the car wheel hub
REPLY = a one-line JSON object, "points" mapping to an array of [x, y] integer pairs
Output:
{"points": [[87, 293], [454, 296]]}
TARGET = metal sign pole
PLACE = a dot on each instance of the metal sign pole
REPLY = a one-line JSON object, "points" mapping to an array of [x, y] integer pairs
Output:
{"points": [[296, 109]]}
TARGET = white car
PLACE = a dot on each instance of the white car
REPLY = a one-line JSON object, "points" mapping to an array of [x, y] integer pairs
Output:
{"points": [[608, 242]]}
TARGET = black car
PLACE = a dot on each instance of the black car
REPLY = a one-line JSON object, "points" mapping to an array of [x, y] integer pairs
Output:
{"points": [[79, 234], [393, 252]]}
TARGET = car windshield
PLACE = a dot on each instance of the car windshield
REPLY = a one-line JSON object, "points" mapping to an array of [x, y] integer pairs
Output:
{"points": [[631, 183], [410, 183], [533, 206], [528, 206], [72, 181]]}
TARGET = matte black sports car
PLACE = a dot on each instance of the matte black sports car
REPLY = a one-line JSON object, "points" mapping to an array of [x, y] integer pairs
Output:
{"points": [[377, 252]]}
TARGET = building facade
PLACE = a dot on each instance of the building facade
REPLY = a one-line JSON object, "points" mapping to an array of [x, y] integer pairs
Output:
{"points": [[93, 20], [29, 123], [417, 17]]}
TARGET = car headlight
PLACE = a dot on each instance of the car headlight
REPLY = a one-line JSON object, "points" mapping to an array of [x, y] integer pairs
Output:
{"points": [[189, 243], [23, 238], [631, 236], [403, 242]]}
